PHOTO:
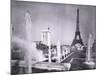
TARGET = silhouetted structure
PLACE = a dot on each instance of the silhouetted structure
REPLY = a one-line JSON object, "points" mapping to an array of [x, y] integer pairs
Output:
{"points": [[77, 38]]}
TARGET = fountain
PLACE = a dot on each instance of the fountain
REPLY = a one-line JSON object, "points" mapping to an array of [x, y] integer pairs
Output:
{"points": [[89, 62], [28, 27], [28, 47], [31, 49]]}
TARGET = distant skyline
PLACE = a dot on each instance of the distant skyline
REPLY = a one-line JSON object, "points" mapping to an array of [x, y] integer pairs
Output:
{"points": [[61, 18]]}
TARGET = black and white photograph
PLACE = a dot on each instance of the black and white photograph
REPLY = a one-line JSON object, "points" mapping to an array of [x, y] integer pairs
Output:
{"points": [[52, 37]]}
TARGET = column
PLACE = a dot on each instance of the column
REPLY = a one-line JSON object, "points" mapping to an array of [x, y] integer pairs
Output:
{"points": [[49, 50], [58, 51]]}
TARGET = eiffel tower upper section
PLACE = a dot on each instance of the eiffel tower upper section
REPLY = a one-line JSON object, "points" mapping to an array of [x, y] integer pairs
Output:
{"points": [[77, 27]]}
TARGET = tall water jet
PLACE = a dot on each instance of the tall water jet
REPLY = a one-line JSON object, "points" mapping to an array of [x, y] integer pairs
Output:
{"points": [[89, 48], [89, 62], [31, 52], [28, 26]]}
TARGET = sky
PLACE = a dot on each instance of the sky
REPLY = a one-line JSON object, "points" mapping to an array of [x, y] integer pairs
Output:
{"points": [[61, 18]]}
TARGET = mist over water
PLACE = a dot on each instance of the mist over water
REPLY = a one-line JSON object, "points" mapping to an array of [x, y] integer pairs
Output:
{"points": [[27, 45]]}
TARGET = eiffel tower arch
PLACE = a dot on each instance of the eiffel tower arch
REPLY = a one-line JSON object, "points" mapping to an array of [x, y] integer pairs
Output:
{"points": [[77, 39]]}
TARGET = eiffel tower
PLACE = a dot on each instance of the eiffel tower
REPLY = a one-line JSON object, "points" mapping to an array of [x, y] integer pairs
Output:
{"points": [[77, 39]]}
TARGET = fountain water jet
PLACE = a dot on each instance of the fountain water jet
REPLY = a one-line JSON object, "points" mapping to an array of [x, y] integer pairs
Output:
{"points": [[28, 27], [28, 47], [89, 62], [31, 46]]}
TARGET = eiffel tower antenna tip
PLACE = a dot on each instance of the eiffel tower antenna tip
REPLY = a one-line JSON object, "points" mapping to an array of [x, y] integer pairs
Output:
{"points": [[48, 28]]}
